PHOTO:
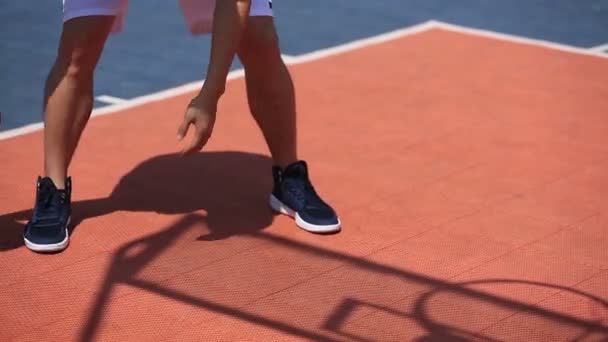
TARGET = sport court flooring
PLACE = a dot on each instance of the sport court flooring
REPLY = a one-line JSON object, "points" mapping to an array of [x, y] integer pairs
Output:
{"points": [[470, 172]]}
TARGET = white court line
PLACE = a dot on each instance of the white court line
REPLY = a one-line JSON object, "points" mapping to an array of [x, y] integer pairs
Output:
{"points": [[600, 48], [110, 99], [365, 42], [196, 85], [518, 39], [287, 58], [319, 54]]}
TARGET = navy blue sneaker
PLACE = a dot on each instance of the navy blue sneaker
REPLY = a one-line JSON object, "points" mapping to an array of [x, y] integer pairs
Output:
{"points": [[294, 195], [47, 231]]}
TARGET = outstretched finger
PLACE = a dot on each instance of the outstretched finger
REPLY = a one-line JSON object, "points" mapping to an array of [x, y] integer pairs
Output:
{"points": [[200, 139], [182, 130]]}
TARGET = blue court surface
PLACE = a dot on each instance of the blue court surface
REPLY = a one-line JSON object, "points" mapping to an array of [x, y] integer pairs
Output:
{"points": [[155, 51]]}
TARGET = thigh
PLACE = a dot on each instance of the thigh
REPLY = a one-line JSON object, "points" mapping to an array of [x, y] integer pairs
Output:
{"points": [[259, 50], [82, 41]]}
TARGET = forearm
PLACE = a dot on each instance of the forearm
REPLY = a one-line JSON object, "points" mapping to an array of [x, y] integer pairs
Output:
{"points": [[229, 23]]}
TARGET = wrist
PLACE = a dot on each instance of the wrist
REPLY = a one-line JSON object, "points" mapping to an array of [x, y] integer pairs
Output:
{"points": [[211, 91]]}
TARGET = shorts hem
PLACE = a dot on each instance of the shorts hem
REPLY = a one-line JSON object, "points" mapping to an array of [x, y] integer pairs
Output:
{"points": [[90, 12], [264, 11]]}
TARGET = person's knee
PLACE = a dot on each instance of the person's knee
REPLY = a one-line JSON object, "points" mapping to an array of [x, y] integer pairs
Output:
{"points": [[80, 48], [77, 65]]}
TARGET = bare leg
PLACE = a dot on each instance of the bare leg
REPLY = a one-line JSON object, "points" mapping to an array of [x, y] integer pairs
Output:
{"points": [[271, 96], [270, 90], [68, 97]]}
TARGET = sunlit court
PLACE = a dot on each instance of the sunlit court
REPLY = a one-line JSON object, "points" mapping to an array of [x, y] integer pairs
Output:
{"points": [[462, 147]]}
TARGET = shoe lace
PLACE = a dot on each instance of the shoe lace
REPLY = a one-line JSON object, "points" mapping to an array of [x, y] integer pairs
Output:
{"points": [[48, 205], [303, 191]]}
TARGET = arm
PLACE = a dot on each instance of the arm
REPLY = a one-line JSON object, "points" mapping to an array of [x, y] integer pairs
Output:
{"points": [[229, 22]]}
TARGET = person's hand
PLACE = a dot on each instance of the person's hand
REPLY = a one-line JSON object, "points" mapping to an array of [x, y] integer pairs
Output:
{"points": [[200, 113]]}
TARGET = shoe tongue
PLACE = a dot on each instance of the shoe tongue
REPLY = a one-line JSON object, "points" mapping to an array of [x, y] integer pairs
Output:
{"points": [[47, 183], [297, 169]]}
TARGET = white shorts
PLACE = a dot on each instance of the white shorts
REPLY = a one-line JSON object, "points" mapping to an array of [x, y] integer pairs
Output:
{"points": [[198, 14]]}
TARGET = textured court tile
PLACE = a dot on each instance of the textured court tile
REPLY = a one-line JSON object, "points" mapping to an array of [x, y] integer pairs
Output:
{"points": [[444, 155], [363, 232], [311, 258], [384, 222], [481, 186], [383, 326], [316, 301], [186, 257], [410, 163], [565, 316], [436, 204], [527, 275], [111, 232], [48, 334], [401, 131], [569, 199], [434, 315], [563, 123], [590, 131], [596, 285], [500, 225], [488, 182], [585, 242], [247, 325], [461, 308], [372, 322], [312, 309], [516, 163], [441, 253], [269, 318], [181, 246], [273, 322], [79, 312], [145, 315], [87, 275], [15, 261], [561, 202], [246, 277], [36, 303], [378, 283], [536, 147], [529, 327], [583, 303], [594, 181]]}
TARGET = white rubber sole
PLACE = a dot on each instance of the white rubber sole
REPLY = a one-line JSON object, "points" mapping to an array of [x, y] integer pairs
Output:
{"points": [[280, 207], [50, 248]]}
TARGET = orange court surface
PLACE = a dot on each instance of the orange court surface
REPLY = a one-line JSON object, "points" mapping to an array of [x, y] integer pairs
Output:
{"points": [[470, 172]]}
